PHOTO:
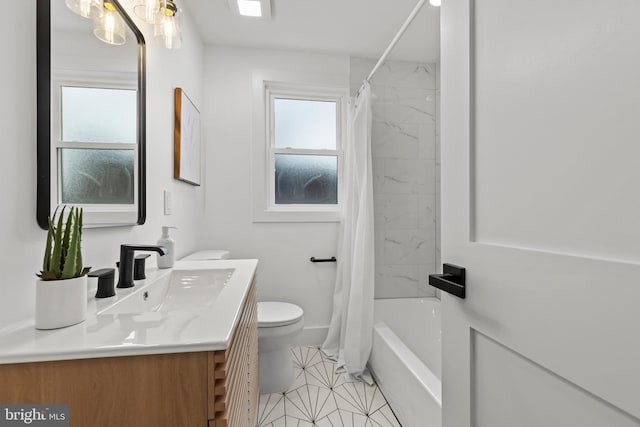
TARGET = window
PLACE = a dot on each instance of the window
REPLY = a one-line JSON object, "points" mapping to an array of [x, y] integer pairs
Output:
{"points": [[304, 151], [94, 147], [302, 141]]}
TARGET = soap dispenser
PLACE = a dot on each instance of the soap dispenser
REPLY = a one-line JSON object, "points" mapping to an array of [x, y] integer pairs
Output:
{"points": [[166, 261]]}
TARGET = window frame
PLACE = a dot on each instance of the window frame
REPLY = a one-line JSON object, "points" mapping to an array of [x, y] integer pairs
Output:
{"points": [[95, 215], [266, 90], [275, 92]]}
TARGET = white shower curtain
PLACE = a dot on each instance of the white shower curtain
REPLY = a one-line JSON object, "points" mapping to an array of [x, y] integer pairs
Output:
{"points": [[351, 330]]}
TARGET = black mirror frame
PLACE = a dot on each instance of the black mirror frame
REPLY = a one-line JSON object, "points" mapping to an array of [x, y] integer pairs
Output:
{"points": [[43, 121]]}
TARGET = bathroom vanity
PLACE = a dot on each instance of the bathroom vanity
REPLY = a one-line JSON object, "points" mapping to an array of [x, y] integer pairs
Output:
{"points": [[178, 349]]}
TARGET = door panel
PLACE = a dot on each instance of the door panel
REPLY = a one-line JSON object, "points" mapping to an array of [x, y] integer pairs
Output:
{"points": [[500, 373], [557, 99], [538, 204], [555, 310]]}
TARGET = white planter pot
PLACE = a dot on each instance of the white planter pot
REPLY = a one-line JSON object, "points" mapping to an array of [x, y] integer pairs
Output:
{"points": [[61, 303]]}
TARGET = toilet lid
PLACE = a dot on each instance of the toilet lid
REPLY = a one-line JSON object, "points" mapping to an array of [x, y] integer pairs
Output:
{"points": [[272, 314]]}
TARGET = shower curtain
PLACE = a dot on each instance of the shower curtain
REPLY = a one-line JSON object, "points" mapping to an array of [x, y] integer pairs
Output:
{"points": [[351, 329]]}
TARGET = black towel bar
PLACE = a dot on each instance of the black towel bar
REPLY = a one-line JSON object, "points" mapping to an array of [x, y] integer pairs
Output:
{"points": [[314, 259]]}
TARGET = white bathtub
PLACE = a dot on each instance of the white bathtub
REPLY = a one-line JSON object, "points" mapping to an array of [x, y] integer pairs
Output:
{"points": [[406, 360]]}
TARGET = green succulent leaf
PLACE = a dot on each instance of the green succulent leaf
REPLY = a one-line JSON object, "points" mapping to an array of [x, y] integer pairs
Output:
{"points": [[67, 236], [46, 262], [73, 246], [50, 241], [79, 269], [56, 256]]}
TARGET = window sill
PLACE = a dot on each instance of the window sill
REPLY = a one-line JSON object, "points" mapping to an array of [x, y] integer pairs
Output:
{"points": [[106, 216], [266, 215]]}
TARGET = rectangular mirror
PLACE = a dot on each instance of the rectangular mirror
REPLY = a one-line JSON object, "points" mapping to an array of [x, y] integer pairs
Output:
{"points": [[91, 112]]}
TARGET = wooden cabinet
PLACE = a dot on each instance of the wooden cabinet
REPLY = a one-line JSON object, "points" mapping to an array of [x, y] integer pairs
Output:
{"points": [[234, 374], [206, 389]]}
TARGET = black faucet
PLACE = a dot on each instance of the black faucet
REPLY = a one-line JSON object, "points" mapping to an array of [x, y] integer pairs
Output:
{"points": [[125, 270]]}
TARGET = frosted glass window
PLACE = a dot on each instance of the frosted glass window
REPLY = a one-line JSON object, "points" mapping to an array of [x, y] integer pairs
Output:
{"points": [[91, 176], [99, 115], [305, 124], [306, 179]]}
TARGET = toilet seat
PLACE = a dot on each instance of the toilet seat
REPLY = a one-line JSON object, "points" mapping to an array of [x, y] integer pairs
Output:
{"points": [[273, 314]]}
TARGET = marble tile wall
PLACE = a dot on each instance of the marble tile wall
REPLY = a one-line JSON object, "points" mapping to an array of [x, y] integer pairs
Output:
{"points": [[406, 167]]}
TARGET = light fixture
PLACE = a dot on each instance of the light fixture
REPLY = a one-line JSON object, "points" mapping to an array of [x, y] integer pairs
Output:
{"points": [[148, 10], [435, 2], [168, 27], [108, 26], [251, 8], [84, 8]]}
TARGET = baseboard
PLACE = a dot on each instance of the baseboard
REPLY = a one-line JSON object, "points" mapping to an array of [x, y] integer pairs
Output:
{"points": [[312, 335]]}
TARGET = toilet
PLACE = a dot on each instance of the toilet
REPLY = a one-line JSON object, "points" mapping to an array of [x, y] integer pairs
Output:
{"points": [[279, 325]]}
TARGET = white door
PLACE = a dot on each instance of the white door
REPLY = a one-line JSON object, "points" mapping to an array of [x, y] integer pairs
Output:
{"points": [[541, 204]]}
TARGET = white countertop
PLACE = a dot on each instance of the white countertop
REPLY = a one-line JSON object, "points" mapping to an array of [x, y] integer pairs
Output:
{"points": [[110, 335]]}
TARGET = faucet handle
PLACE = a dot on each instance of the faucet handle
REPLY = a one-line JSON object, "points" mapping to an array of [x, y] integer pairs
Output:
{"points": [[105, 282], [138, 266]]}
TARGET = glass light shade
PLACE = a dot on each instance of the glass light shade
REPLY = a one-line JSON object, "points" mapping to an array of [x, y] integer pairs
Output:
{"points": [[167, 10], [109, 27], [169, 30], [158, 29], [435, 2], [148, 10], [85, 8]]}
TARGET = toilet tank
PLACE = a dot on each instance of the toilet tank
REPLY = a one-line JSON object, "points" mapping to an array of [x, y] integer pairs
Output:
{"points": [[208, 254]]}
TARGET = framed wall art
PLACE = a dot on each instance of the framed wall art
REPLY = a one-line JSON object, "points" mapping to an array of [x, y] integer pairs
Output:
{"points": [[187, 144]]}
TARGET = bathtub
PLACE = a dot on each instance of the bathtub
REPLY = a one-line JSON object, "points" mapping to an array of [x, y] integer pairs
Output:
{"points": [[406, 360]]}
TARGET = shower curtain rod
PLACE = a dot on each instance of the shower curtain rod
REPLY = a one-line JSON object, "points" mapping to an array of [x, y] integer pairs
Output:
{"points": [[395, 40]]}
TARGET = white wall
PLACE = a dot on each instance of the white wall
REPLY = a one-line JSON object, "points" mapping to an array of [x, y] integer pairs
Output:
{"points": [[22, 242], [284, 249]]}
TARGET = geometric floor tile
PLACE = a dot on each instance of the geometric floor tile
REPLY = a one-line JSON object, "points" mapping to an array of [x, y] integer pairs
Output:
{"points": [[310, 403], [270, 409], [321, 397], [360, 397]]}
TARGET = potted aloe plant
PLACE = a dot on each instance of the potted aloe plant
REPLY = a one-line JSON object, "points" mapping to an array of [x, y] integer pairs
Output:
{"points": [[61, 292]]}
